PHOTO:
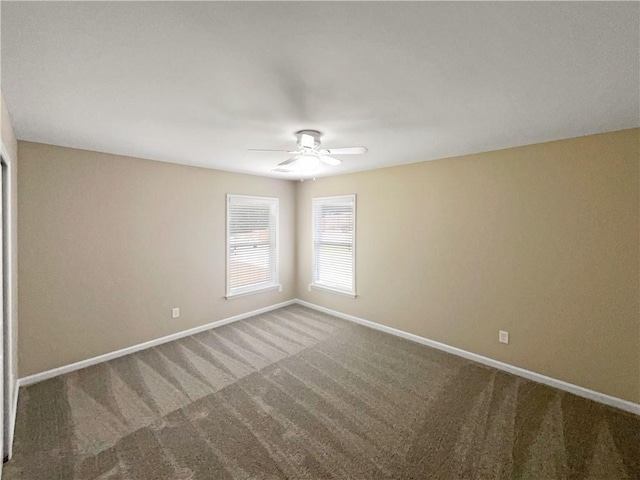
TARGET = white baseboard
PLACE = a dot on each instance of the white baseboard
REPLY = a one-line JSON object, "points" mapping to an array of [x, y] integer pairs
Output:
{"points": [[39, 377], [536, 377], [528, 374]]}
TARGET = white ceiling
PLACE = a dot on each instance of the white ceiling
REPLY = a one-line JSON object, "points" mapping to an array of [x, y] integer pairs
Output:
{"points": [[200, 83]]}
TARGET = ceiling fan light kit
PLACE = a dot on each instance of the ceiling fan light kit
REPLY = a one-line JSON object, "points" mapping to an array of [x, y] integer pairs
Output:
{"points": [[307, 162], [309, 157]]}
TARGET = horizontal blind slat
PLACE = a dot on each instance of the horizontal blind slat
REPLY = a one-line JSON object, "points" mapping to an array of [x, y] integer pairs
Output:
{"points": [[251, 237], [334, 233]]}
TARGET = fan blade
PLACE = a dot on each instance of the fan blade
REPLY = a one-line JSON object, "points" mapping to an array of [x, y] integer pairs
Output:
{"points": [[282, 170], [263, 150], [330, 160], [345, 150], [287, 162]]}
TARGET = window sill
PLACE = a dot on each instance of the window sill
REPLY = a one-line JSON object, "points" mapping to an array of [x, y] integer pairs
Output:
{"points": [[230, 296], [332, 290]]}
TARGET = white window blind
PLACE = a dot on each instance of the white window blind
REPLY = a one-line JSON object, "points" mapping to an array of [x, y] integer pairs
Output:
{"points": [[252, 250], [334, 243]]}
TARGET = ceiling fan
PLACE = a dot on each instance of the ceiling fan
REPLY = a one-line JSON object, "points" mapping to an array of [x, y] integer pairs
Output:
{"points": [[309, 156]]}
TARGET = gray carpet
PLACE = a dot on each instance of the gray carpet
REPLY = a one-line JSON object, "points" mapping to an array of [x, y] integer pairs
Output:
{"points": [[298, 394]]}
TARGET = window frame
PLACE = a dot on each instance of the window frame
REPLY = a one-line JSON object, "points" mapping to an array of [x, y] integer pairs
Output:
{"points": [[321, 286], [239, 292]]}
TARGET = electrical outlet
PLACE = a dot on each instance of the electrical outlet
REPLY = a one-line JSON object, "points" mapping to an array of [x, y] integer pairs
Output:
{"points": [[175, 312], [503, 336]]}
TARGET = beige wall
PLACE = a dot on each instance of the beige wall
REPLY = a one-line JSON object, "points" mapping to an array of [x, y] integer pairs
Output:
{"points": [[11, 145], [541, 240], [109, 244]]}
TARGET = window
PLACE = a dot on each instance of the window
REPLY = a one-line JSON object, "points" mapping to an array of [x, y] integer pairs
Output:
{"points": [[252, 238], [334, 243]]}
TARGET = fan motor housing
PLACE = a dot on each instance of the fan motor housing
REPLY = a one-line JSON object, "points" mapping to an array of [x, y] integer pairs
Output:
{"points": [[314, 133]]}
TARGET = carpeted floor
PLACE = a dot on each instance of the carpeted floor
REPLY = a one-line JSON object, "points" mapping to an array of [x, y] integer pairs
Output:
{"points": [[298, 394]]}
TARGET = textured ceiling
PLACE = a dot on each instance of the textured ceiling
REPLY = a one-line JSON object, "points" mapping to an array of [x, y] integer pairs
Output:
{"points": [[200, 83]]}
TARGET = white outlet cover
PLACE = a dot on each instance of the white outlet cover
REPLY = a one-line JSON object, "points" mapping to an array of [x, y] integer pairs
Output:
{"points": [[175, 313], [503, 336]]}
